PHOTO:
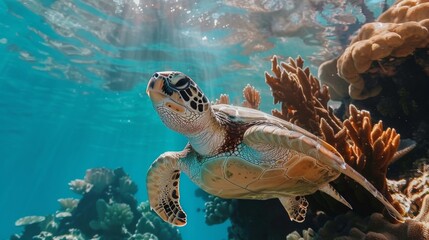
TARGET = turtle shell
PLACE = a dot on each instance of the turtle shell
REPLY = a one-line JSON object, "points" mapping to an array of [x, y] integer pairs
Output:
{"points": [[255, 174], [248, 115]]}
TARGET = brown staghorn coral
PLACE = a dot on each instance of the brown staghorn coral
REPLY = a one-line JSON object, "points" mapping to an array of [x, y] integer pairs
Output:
{"points": [[364, 146], [303, 101], [373, 148], [381, 46], [252, 98]]}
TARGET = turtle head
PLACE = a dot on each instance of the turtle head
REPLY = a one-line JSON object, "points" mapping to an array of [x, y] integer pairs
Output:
{"points": [[180, 103]]}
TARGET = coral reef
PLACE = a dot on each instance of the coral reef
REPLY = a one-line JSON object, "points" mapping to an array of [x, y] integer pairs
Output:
{"points": [[303, 101], [252, 97], [111, 217], [350, 226], [385, 70], [397, 33], [217, 210], [410, 190], [107, 210], [151, 223], [364, 146]]}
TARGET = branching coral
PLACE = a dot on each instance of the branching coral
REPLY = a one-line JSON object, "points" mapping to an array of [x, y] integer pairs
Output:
{"points": [[107, 210], [373, 148], [364, 146], [252, 97], [303, 101], [99, 178], [399, 31], [111, 217]]}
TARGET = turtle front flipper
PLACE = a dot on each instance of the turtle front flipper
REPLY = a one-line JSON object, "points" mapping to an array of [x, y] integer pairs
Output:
{"points": [[163, 188], [296, 207]]}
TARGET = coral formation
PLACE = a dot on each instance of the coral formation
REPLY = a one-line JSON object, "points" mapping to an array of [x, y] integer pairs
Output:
{"points": [[111, 217], [410, 191], [397, 33], [350, 226], [29, 220], [252, 97], [217, 210], [303, 101], [107, 210], [151, 223], [385, 70], [364, 146]]}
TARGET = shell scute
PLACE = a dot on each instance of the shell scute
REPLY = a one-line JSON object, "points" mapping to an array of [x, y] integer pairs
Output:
{"points": [[241, 172], [272, 173]]}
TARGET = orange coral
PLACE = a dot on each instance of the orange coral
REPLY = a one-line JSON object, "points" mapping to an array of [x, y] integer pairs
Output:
{"points": [[303, 101], [223, 99], [252, 97], [399, 31], [374, 148], [364, 146]]}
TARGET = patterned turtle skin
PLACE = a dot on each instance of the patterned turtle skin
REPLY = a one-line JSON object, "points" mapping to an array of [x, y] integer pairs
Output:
{"points": [[240, 153]]}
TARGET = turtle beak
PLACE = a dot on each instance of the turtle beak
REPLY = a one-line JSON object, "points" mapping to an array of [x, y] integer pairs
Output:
{"points": [[160, 94], [154, 87]]}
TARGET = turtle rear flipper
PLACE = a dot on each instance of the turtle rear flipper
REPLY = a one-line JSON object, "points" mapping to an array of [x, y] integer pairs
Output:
{"points": [[163, 188], [296, 207]]}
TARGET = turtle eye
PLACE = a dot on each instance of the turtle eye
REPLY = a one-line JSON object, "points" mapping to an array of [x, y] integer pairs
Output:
{"points": [[182, 83]]}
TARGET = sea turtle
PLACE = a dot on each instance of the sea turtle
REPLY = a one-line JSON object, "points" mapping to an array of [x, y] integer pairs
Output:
{"points": [[237, 152]]}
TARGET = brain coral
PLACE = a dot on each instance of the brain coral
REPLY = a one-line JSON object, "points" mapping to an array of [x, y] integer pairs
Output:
{"points": [[399, 31]]}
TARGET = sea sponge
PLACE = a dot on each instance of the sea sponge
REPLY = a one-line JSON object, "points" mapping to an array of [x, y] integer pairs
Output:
{"points": [[399, 31]]}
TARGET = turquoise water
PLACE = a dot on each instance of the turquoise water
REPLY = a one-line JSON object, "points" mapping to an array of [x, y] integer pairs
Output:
{"points": [[72, 88]]}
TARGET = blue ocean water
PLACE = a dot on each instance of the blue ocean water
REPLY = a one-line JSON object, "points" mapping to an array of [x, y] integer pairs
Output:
{"points": [[73, 75]]}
